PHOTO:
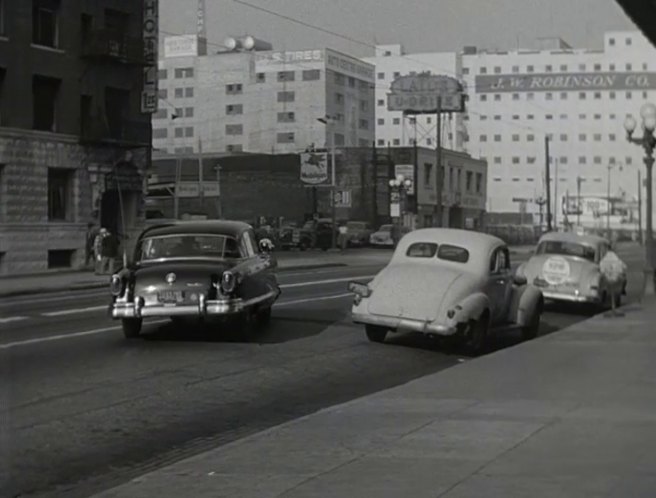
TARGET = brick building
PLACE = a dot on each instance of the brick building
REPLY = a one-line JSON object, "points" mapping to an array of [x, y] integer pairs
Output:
{"points": [[77, 88], [255, 185]]}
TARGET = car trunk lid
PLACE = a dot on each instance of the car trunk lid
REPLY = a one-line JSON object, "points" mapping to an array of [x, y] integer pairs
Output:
{"points": [[412, 291], [555, 270]]}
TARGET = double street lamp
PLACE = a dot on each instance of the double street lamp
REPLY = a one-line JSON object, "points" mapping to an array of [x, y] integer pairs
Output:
{"points": [[401, 186], [648, 143]]}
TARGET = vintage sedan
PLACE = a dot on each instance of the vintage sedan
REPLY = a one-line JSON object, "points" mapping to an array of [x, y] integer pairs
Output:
{"points": [[447, 283], [197, 269], [566, 267]]}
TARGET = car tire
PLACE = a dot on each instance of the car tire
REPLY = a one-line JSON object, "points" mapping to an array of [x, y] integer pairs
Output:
{"points": [[532, 329], [476, 340], [264, 317], [131, 327], [618, 300], [249, 325], [376, 333]]}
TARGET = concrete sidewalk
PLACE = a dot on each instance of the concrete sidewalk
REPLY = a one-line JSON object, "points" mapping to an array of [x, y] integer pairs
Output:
{"points": [[571, 414], [287, 261]]}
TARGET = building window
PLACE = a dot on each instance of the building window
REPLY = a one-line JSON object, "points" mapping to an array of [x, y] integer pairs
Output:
{"points": [[563, 160], [581, 95], [563, 116], [189, 92], [548, 68], [497, 138], [597, 95], [530, 160], [629, 95], [497, 70], [381, 121], [396, 121], [179, 132], [184, 72], [381, 142], [549, 96], [160, 114], [465, 70], [286, 117], [429, 141], [234, 129], [530, 96], [163, 93], [286, 76], [179, 112], [396, 141], [469, 178], [45, 95], [497, 97], [597, 160], [381, 102], [234, 89], [582, 137], [364, 105], [189, 112], [611, 67], [286, 96], [483, 138], [189, 131], [628, 160], [234, 109], [515, 69], [339, 98], [549, 117], [629, 67], [530, 138], [597, 137], [285, 138], [515, 160], [582, 160], [612, 137], [45, 29], [515, 117], [179, 93], [515, 138], [563, 68], [563, 137], [311, 75], [234, 148], [483, 117], [260, 78], [160, 133], [162, 74], [530, 117], [530, 69], [60, 189], [381, 76], [611, 42], [597, 67], [483, 98], [583, 116]]}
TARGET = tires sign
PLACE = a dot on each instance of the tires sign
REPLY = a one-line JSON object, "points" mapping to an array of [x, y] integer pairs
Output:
{"points": [[556, 270]]}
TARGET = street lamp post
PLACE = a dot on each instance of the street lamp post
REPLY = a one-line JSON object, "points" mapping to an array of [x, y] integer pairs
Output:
{"points": [[648, 143], [328, 120], [401, 185], [608, 203]]}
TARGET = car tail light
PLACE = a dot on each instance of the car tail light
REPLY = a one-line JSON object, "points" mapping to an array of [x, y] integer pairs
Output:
{"points": [[359, 289], [116, 285], [228, 282]]}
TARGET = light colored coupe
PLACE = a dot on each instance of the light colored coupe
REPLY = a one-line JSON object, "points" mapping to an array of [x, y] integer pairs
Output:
{"points": [[447, 282], [566, 267]]}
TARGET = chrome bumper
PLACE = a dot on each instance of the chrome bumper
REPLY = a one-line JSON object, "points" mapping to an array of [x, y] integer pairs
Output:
{"points": [[572, 298], [403, 324], [138, 309]]}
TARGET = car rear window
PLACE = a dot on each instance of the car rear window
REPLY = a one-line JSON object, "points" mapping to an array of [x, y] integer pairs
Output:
{"points": [[453, 253], [422, 250], [563, 248]]}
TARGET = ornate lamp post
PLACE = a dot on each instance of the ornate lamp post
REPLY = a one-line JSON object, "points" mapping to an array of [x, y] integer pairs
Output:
{"points": [[399, 187], [647, 142]]}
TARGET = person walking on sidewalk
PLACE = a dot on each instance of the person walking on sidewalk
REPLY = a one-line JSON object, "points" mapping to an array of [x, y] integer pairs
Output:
{"points": [[109, 252], [98, 250], [90, 253]]}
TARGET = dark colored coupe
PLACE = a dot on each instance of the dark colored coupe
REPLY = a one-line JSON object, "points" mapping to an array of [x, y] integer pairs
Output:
{"points": [[199, 269]]}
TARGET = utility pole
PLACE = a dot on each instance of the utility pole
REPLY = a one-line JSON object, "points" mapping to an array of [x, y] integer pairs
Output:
{"points": [[547, 180], [555, 213], [374, 160], [640, 238], [176, 190], [334, 181], [201, 193], [438, 164], [578, 200], [608, 206]]}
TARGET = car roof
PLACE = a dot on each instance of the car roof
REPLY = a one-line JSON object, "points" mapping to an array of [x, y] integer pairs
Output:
{"points": [[592, 240], [480, 245], [216, 227]]}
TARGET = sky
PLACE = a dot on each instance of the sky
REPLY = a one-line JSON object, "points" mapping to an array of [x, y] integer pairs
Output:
{"points": [[419, 25]]}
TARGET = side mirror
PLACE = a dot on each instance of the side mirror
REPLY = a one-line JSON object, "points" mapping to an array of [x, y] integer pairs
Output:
{"points": [[266, 245], [520, 280]]}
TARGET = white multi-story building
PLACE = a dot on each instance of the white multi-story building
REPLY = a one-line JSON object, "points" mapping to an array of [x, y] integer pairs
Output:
{"points": [[255, 100], [577, 98]]}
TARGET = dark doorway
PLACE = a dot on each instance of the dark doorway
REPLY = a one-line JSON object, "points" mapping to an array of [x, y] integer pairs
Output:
{"points": [[110, 211]]}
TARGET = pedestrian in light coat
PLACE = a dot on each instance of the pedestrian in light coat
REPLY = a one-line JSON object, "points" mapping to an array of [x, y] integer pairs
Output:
{"points": [[97, 250], [109, 252]]}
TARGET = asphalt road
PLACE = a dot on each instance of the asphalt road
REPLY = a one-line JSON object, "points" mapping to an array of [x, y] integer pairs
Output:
{"points": [[84, 409]]}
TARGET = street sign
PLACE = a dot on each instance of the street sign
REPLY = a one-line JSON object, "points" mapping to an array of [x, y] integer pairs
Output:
{"points": [[343, 198], [314, 168], [187, 190], [395, 210]]}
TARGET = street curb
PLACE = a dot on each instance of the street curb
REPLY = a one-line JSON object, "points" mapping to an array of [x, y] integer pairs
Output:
{"points": [[100, 285]]}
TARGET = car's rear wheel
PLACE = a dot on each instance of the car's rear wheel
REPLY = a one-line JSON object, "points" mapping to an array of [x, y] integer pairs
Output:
{"points": [[131, 327], [531, 330], [476, 339], [376, 333]]}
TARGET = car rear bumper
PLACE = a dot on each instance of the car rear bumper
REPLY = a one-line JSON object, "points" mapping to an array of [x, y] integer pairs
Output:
{"points": [[204, 307], [403, 324], [571, 298]]}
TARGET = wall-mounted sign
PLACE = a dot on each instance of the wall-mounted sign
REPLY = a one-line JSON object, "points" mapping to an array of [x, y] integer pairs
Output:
{"points": [[425, 93], [549, 82], [314, 168], [149, 100], [349, 66], [408, 173], [343, 198], [181, 46], [276, 58], [188, 190]]}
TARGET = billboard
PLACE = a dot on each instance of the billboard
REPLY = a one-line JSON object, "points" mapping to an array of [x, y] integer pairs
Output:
{"points": [[425, 93], [549, 82], [149, 100], [314, 169], [291, 57], [181, 46]]}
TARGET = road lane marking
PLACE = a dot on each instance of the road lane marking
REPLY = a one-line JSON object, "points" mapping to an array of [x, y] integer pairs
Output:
{"points": [[329, 281], [13, 319], [76, 311], [38, 340]]}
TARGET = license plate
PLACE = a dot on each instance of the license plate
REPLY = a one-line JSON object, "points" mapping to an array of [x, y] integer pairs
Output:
{"points": [[171, 297]]}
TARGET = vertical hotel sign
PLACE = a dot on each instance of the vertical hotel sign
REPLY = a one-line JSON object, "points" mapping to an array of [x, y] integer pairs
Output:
{"points": [[150, 45]]}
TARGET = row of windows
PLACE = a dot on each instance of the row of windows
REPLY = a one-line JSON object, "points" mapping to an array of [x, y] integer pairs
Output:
{"points": [[530, 117], [549, 68], [180, 112], [179, 93], [564, 160], [531, 179], [563, 137], [179, 73], [179, 132], [612, 95]]}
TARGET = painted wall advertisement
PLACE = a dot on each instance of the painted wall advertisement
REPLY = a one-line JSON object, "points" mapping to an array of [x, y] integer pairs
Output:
{"points": [[314, 169], [149, 100], [565, 82], [181, 46]]}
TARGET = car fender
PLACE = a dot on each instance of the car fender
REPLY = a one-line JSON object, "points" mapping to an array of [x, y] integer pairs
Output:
{"points": [[526, 301], [470, 308]]}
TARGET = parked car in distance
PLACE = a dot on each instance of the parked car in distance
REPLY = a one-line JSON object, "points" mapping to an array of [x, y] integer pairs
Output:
{"points": [[447, 283], [196, 269], [566, 267], [357, 233], [313, 234], [383, 236]]}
